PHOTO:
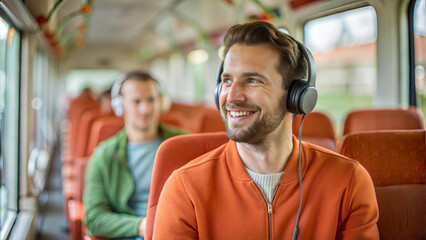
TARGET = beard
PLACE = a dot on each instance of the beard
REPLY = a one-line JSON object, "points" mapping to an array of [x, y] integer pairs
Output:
{"points": [[260, 128]]}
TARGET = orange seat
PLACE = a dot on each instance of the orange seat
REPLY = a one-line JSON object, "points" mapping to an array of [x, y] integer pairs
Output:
{"points": [[174, 118], [187, 109], [210, 120], [317, 129], [75, 121], [396, 162], [84, 96], [383, 119], [76, 215], [75, 207], [190, 114], [86, 123], [76, 141], [172, 154], [102, 129], [199, 118]]}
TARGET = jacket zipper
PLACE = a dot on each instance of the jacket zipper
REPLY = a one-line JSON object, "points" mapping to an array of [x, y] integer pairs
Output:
{"points": [[269, 205], [270, 220]]}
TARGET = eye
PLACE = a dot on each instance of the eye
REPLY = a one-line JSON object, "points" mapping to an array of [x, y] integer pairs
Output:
{"points": [[254, 81], [151, 99], [226, 81]]}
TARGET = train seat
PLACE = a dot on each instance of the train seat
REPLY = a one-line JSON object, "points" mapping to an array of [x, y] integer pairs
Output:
{"points": [[74, 119], [176, 148], [75, 206], [102, 129], [186, 109], [209, 120], [73, 103], [177, 119], [199, 118], [317, 129], [395, 160], [86, 123], [383, 119]]}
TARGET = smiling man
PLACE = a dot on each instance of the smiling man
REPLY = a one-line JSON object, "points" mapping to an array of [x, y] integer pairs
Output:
{"points": [[118, 175], [249, 187]]}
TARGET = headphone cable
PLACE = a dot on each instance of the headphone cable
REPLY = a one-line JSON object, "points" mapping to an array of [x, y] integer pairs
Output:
{"points": [[296, 229]]}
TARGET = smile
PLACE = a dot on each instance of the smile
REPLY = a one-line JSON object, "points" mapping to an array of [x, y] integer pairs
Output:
{"points": [[240, 113]]}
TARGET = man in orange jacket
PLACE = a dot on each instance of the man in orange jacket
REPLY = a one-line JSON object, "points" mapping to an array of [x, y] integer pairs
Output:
{"points": [[264, 184]]}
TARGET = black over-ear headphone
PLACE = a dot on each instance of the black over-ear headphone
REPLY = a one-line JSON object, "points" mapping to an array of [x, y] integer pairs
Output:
{"points": [[116, 99], [302, 94]]}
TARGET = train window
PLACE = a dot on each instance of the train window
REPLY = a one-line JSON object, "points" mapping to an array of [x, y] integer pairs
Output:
{"points": [[344, 48], [43, 136], [420, 52], [42, 90], [9, 116]]}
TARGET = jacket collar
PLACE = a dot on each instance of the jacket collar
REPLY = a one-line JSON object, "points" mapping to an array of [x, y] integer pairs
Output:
{"points": [[239, 173], [120, 154]]}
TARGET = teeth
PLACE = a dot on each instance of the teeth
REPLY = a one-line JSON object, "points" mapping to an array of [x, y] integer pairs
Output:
{"points": [[239, 114]]}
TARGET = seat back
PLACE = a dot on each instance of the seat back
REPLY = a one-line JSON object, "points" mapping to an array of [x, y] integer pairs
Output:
{"points": [[317, 129], [210, 120], [173, 154], [75, 120], [396, 163], [383, 119], [86, 122], [177, 119], [402, 211], [80, 168], [198, 118], [391, 157], [102, 129]]}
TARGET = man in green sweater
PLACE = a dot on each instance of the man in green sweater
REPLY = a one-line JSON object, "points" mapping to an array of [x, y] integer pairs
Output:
{"points": [[118, 175]]}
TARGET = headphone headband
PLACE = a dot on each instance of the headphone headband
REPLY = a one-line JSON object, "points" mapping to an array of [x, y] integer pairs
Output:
{"points": [[310, 60], [121, 78]]}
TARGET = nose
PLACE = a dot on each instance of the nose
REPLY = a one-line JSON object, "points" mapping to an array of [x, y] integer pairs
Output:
{"points": [[235, 92], [145, 107]]}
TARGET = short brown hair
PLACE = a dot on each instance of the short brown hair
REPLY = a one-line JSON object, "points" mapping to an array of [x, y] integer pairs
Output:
{"points": [[293, 64], [135, 75]]}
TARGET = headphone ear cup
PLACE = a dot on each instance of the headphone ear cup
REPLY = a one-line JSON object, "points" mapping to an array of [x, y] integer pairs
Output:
{"points": [[308, 99], [218, 88], [302, 97], [117, 106], [166, 103], [293, 96], [217, 91]]}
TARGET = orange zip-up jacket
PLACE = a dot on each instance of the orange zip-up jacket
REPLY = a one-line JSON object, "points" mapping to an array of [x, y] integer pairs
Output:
{"points": [[213, 197]]}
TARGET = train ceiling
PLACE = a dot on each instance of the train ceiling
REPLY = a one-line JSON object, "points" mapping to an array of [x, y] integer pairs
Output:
{"points": [[100, 32]]}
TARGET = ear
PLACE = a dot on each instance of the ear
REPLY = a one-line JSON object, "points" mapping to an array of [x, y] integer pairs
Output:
{"points": [[166, 103]]}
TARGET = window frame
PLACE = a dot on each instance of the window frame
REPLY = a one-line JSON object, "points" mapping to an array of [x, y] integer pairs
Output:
{"points": [[12, 182], [412, 93]]}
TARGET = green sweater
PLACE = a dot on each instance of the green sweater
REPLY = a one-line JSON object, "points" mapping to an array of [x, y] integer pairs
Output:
{"points": [[108, 187]]}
